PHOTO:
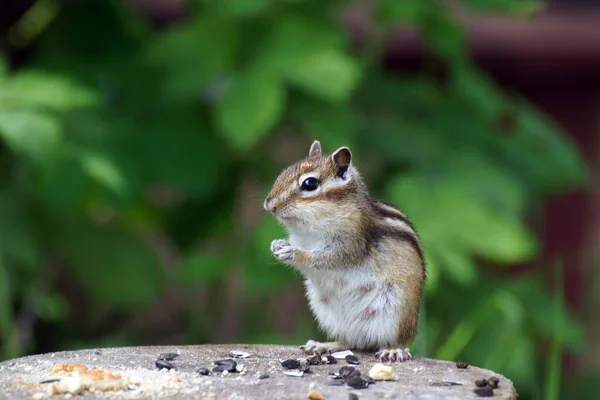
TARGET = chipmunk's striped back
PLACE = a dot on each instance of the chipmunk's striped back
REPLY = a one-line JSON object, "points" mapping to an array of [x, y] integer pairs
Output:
{"points": [[362, 258]]}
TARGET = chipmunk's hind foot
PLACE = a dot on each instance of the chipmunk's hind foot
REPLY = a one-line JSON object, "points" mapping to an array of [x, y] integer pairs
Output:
{"points": [[393, 355]]}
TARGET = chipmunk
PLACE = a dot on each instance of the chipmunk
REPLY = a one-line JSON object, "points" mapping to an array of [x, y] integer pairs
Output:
{"points": [[361, 258]]}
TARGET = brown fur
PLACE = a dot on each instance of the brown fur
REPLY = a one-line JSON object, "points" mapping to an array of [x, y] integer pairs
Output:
{"points": [[395, 252]]}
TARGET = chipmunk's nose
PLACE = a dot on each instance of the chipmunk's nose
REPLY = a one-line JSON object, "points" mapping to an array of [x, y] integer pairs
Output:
{"points": [[269, 204]]}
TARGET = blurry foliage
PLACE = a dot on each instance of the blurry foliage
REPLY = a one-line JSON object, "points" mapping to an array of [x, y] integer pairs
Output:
{"points": [[126, 152]]}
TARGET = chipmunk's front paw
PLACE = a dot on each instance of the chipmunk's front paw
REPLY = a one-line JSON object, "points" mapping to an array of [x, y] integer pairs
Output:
{"points": [[394, 355], [282, 250]]}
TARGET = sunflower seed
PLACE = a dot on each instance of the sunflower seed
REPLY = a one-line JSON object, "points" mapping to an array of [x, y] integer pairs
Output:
{"points": [[461, 365], [294, 372], [352, 359], [168, 356], [49, 381], [163, 364], [342, 354], [493, 382], [203, 371], [290, 364], [356, 382], [264, 376], [239, 354]]}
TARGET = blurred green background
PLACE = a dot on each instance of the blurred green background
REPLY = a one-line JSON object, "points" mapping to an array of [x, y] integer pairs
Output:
{"points": [[135, 156]]}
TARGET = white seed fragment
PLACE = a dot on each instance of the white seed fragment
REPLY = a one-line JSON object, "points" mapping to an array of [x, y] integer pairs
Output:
{"points": [[239, 354], [342, 354], [294, 372], [381, 372]]}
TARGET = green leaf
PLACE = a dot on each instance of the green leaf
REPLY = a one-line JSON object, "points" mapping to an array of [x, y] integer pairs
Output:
{"points": [[17, 232], [113, 266], [31, 135], [512, 7], [394, 11], [449, 216], [40, 89], [104, 171], [311, 55], [194, 53], [264, 272], [334, 125], [3, 68], [327, 73], [201, 267], [245, 7], [250, 109]]}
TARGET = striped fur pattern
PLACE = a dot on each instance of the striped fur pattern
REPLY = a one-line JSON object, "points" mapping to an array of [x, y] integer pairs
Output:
{"points": [[361, 258]]}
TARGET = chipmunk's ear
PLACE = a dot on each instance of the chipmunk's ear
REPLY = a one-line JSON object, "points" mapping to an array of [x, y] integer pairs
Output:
{"points": [[341, 160], [315, 149]]}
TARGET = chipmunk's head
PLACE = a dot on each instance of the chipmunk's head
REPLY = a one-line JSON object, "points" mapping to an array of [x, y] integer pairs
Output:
{"points": [[316, 191]]}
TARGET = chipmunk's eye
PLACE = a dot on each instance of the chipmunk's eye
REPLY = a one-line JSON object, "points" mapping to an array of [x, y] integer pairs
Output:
{"points": [[310, 184]]}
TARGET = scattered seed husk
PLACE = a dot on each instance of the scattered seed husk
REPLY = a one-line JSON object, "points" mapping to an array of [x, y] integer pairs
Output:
{"points": [[203, 371], [314, 360], [352, 375], [264, 376], [342, 354], [485, 391], [461, 365], [346, 370], [290, 364], [330, 359], [481, 382], [352, 396], [351, 359], [294, 372], [493, 382], [381, 372], [452, 383], [356, 382], [227, 364], [239, 354], [168, 356], [49, 381], [163, 364], [314, 395]]}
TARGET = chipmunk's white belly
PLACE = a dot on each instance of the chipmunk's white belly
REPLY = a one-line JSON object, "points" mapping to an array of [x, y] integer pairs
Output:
{"points": [[355, 306]]}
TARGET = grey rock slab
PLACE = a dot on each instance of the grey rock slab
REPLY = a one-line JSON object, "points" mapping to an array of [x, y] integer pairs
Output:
{"points": [[419, 378]]}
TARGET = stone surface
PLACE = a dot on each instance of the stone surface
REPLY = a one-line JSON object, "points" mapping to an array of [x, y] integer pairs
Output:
{"points": [[419, 378]]}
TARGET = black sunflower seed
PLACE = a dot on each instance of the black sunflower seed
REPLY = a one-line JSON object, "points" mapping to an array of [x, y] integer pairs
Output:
{"points": [[163, 364], [49, 381], [481, 382], [168, 356], [290, 364], [264, 376], [352, 396], [352, 359], [346, 370], [493, 382], [227, 364], [331, 360], [203, 371], [357, 382], [461, 365]]}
